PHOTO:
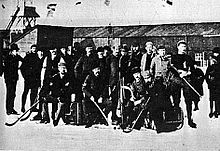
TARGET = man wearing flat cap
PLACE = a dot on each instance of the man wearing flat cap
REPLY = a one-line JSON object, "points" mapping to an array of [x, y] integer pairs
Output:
{"points": [[11, 64]]}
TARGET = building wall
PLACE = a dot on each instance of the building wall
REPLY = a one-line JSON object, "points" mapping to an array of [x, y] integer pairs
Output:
{"points": [[196, 43], [25, 43], [3, 37], [98, 41], [54, 36]]}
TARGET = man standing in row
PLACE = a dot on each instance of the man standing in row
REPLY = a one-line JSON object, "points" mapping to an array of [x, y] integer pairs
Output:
{"points": [[11, 64], [211, 76], [50, 68], [83, 68], [159, 92], [31, 72], [184, 64], [112, 63], [146, 61]]}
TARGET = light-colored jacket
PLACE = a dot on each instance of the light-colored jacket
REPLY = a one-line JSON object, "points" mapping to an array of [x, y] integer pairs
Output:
{"points": [[145, 66], [159, 66]]}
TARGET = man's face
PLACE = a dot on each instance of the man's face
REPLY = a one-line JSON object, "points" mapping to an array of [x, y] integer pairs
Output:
{"points": [[195, 66], [161, 52], [88, 50], [33, 49], [96, 71], [216, 54], [53, 51], [105, 53], [63, 50], [69, 52], [62, 69], [100, 55], [116, 52], [123, 52], [149, 49], [137, 76], [40, 53], [182, 48], [135, 49], [14, 52]]}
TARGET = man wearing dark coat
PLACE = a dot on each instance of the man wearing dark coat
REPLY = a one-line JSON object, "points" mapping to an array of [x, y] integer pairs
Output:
{"points": [[57, 90], [70, 68], [31, 72], [212, 79], [197, 82], [83, 68], [112, 65], [136, 55], [184, 66], [133, 108], [125, 70], [11, 64], [95, 89], [50, 68]]}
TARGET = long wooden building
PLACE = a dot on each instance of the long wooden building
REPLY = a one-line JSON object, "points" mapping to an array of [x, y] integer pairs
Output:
{"points": [[201, 37]]}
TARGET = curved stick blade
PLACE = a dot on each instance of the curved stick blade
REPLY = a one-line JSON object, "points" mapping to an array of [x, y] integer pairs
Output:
{"points": [[23, 119]]}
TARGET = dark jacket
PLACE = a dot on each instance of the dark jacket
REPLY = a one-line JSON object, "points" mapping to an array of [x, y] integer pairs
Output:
{"points": [[135, 60], [51, 66], [69, 63], [211, 76], [11, 64], [57, 87], [31, 69], [182, 62], [94, 86], [112, 64], [124, 65], [198, 79], [84, 66], [139, 89]]}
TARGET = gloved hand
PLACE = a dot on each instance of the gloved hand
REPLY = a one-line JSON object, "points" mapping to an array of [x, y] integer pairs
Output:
{"points": [[100, 100], [92, 98]]}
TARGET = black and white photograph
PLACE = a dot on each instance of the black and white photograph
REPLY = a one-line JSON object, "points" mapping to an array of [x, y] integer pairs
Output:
{"points": [[103, 75]]}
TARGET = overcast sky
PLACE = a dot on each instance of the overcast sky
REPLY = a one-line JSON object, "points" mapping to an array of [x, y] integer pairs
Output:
{"points": [[119, 12]]}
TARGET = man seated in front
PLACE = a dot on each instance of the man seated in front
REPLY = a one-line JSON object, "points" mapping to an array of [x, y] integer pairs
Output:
{"points": [[139, 102], [56, 89], [95, 90]]}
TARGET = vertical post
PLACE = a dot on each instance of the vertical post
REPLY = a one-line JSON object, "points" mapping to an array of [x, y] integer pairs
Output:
{"points": [[203, 59], [186, 40]]}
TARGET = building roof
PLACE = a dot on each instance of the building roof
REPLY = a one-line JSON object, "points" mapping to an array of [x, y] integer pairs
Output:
{"points": [[189, 29], [185, 29]]}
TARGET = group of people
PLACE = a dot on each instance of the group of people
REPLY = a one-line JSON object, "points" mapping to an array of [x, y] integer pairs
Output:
{"points": [[155, 78]]}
